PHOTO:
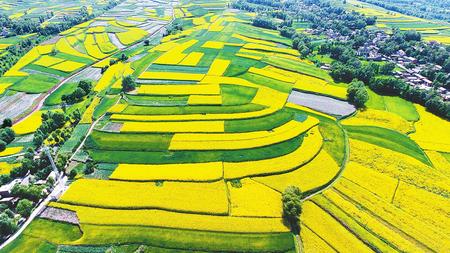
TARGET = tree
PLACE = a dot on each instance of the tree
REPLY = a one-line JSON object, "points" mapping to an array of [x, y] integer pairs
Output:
{"points": [[146, 42], [85, 85], [357, 93], [7, 135], [387, 68], [37, 140], [123, 57], [72, 174], [90, 168], [2, 145], [128, 84], [7, 123], [388, 85], [7, 225], [292, 207], [24, 207]]}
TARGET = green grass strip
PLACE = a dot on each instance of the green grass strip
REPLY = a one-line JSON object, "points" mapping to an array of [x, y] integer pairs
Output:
{"points": [[388, 139]]}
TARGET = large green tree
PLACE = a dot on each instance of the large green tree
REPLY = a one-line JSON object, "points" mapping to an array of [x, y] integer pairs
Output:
{"points": [[292, 207]]}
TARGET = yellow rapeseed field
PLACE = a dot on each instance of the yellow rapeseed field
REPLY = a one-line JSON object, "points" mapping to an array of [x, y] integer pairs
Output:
{"points": [[324, 225], [198, 21], [432, 132], [183, 117], [218, 67], [379, 184], [113, 73], [205, 100], [439, 161], [254, 199], [117, 108], [440, 39], [271, 49], [175, 196], [252, 40], [68, 66], [272, 74], [171, 76], [15, 73], [417, 229], [88, 114], [45, 49], [192, 59], [230, 141], [188, 89], [428, 207], [104, 44], [175, 55], [92, 47], [96, 29], [29, 124], [312, 243], [133, 35], [213, 44], [400, 166], [174, 127], [196, 172], [269, 97], [160, 218], [47, 61], [164, 47], [370, 117], [10, 151], [4, 86], [372, 223], [310, 147], [318, 172], [28, 58], [5, 167], [249, 56], [64, 46]]}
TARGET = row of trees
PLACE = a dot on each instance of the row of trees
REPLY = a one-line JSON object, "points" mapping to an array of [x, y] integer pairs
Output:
{"points": [[52, 127]]}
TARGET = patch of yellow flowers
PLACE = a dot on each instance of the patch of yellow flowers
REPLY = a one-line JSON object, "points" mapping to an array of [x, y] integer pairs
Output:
{"points": [[209, 198], [196, 172]]}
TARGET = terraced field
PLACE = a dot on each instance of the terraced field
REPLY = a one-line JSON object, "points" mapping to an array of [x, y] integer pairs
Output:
{"points": [[196, 158]]}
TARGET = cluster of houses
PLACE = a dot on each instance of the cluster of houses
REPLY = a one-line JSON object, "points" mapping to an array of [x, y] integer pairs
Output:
{"points": [[7, 199], [410, 69]]}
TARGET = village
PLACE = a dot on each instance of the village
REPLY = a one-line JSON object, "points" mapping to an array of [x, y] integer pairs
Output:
{"points": [[30, 187], [408, 68]]}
